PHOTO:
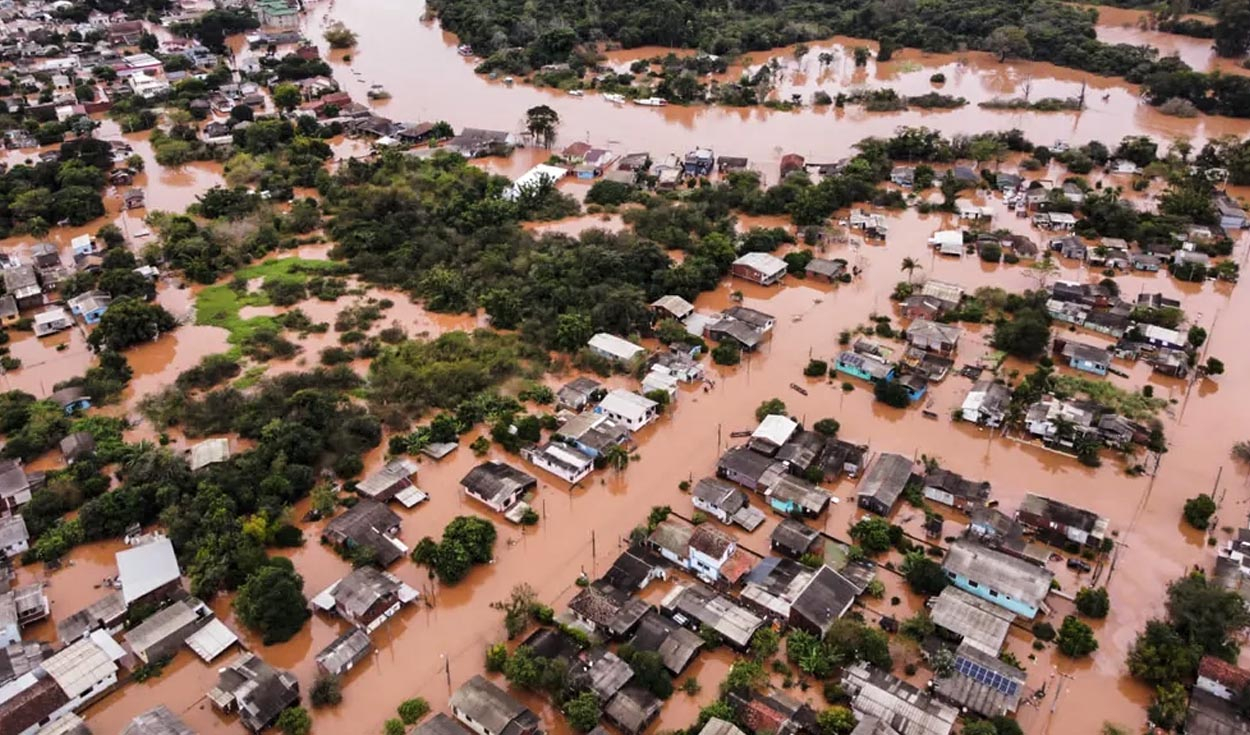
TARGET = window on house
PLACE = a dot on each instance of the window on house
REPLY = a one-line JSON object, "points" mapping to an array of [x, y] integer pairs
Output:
{"points": [[993, 593], [973, 584]]}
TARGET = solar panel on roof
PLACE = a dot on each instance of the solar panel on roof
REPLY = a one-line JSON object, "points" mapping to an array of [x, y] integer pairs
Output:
{"points": [[983, 675]]}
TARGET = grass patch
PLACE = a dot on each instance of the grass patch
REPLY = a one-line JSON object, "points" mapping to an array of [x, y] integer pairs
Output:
{"points": [[1134, 406], [219, 305], [251, 377]]}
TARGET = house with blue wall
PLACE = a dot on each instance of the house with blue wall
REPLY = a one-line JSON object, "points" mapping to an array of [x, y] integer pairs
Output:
{"points": [[1007, 581], [916, 386], [90, 306], [1086, 358], [864, 367], [71, 399]]}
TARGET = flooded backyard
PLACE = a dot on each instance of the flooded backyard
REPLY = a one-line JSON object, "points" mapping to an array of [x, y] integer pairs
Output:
{"points": [[428, 650]]}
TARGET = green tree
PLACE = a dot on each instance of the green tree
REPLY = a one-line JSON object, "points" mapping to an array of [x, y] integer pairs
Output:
{"points": [[891, 393], [872, 534], [923, 575], [836, 721], [583, 711], [727, 353], [1160, 655], [1026, 336], [541, 122], [295, 721], [827, 427], [744, 676], [1093, 602], [1167, 709], [764, 644], [1076, 639], [1009, 42], [1206, 614], [327, 691], [340, 36], [517, 609], [1232, 28], [393, 726], [770, 407], [412, 710], [980, 727], [909, 265], [286, 96], [1198, 511], [130, 321], [272, 601]]}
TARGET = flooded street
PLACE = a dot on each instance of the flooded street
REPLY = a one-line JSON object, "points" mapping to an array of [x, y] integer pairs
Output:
{"points": [[429, 650]]}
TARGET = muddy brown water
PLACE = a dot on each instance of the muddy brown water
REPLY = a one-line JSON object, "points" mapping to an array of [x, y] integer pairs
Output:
{"points": [[582, 529]]}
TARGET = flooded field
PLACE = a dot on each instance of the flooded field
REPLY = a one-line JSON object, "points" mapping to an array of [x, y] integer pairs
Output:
{"points": [[428, 650]]}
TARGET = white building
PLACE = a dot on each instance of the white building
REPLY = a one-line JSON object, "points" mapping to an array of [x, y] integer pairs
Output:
{"points": [[629, 408], [660, 379], [147, 86], [67, 681], [534, 177], [611, 347], [561, 460], [14, 538], [52, 320]]}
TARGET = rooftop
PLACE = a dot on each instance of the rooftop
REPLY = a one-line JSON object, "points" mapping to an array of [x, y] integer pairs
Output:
{"points": [[981, 624], [495, 481], [492, 707], [158, 721], [906, 709], [1005, 574], [886, 479], [145, 568]]}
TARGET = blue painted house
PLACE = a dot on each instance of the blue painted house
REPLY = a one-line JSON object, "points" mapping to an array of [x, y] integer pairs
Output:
{"points": [[90, 305], [916, 386], [1087, 358], [71, 399], [1007, 581], [864, 367]]}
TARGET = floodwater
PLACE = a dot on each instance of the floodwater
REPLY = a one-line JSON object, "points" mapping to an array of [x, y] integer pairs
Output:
{"points": [[428, 650], [394, 39], [1125, 25], [581, 530]]}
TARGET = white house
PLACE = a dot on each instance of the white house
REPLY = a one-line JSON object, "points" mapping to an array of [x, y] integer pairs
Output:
{"points": [[629, 408], [660, 379], [948, 242], [534, 177], [67, 681], [710, 548], [561, 460], [772, 432], [147, 86], [14, 538], [52, 320], [611, 347]]}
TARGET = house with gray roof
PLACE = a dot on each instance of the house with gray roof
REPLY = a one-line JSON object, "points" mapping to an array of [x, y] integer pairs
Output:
{"points": [[632, 709], [904, 708], [148, 572], [344, 652], [255, 690], [439, 724], [14, 538], [884, 483], [157, 721], [677, 646], [725, 503], [366, 598], [986, 403], [970, 620], [1011, 583], [981, 683], [695, 605], [486, 709], [497, 485], [107, 613], [369, 525], [164, 631], [386, 483]]}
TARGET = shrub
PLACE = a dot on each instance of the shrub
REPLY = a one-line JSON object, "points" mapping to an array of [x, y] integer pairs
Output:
{"points": [[816, 369], [412, 710], [1198, 511], [1076, 639], [327, 691], [1044, 631], [1093, 603], [727, 353], [891, 393], [393, 726]]}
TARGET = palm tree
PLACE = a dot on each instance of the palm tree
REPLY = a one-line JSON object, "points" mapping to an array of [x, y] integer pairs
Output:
{"points": [[910, 265], [616, 457]]}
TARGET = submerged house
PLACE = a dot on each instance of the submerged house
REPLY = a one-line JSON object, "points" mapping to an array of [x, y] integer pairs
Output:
{"points": [[935, 337], [497, 485], [389, 481], [761, 268], [486, 709], [149, 573], [568, 463], [366, 598], [725, 503], [1060, 524], [255, 690], [64, 683], [751, 470], [367, 525], [951, 488], [164, 632], [982, 684], [1084, 357], [772, 433], [877, 696], [884, 483], [344, 652], [1011, 583], [695, 606], [629, 408], [986, 403]]}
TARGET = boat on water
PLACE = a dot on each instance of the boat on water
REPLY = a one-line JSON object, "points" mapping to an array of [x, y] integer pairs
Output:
{"points": [[616, 98], [576, 93], [651, 102], [507, 81]]}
